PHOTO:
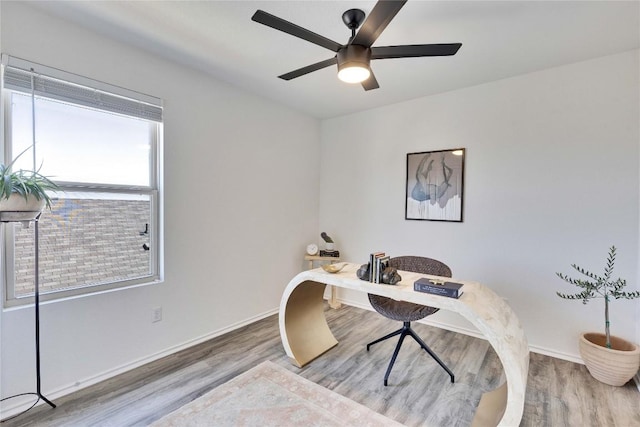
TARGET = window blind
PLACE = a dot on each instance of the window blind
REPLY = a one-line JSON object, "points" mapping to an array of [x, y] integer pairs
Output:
{"points": [[18, 77]]}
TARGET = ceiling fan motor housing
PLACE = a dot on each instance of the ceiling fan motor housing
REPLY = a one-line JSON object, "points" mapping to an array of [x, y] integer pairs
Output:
{"points": [[354, 55]]}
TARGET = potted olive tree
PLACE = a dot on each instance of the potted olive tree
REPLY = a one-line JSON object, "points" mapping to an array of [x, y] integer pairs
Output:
{"points": [[24, 190], [609, 359]]}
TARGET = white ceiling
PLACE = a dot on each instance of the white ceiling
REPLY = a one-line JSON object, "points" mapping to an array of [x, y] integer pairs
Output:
{"points": [[499, 39]]}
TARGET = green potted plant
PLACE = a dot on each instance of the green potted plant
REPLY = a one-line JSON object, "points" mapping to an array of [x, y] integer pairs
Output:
{"points": [[609, 359], [24, 190]]}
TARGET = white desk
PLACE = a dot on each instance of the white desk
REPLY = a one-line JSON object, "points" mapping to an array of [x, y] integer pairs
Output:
{"points": [[306, 335]]}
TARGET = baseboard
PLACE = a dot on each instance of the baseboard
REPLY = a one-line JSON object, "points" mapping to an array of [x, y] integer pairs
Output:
{"points": [[21, 405], [557, 354]]}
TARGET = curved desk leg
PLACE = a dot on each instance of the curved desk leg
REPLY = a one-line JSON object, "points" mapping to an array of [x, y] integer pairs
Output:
{"points": [[305, 326], [491, 407]]}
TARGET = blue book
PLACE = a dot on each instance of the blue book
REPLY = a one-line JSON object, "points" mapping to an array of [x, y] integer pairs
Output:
{"points": [[445, 289]]}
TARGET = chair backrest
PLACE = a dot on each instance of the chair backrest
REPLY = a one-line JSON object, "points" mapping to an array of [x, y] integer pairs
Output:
{"points": [[407, 311], [418, 264]]}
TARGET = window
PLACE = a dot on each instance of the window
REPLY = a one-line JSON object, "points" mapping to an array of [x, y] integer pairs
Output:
{"points": [[101, 145]]}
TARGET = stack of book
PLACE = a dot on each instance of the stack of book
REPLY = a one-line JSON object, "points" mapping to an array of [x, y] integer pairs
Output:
{"points": [[378, 261], [445, 289]]}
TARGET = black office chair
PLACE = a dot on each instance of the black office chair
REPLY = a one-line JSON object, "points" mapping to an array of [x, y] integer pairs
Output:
{"points": [[408, 312]]}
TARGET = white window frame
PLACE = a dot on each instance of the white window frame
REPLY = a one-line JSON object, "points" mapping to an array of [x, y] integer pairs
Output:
{"points": [[153, 190]]}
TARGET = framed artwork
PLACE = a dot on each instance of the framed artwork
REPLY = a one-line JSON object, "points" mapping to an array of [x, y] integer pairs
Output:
{"points": [[435, 181]]}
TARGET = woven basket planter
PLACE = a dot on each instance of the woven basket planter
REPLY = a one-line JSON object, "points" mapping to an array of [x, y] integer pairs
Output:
{"points": [[614, 366]]}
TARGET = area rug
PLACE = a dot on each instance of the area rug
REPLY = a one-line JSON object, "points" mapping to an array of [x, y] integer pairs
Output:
{"points": [[269, 395]]}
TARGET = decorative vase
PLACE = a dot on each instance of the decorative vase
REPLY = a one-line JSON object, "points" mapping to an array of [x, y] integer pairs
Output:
{"points": [[17, 203], [614, 366]]}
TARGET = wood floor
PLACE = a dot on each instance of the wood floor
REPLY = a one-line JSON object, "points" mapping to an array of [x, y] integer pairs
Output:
{"points": [[559, 393]]}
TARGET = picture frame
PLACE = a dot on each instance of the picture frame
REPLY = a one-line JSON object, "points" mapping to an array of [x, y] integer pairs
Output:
{"points": [[434, 185]]}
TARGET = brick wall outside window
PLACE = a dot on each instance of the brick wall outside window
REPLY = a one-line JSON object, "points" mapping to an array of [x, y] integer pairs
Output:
{"points": [[84, 241]]}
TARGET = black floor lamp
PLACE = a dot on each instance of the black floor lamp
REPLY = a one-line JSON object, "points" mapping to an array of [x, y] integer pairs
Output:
{"points": [[25, 218]]}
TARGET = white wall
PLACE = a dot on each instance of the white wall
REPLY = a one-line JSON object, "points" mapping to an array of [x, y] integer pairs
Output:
{"points": [[551, 179], [241, 202]]}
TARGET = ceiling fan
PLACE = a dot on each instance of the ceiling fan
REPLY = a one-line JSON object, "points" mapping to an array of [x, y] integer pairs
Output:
{"points": [[353, 59]]}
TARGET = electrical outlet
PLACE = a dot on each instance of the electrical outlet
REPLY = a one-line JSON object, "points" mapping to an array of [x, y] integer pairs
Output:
{"points": [[156, 315]]}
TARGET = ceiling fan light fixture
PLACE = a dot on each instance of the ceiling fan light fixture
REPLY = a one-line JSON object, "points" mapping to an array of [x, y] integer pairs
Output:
{"points": [[353, 64], [354, 74]]}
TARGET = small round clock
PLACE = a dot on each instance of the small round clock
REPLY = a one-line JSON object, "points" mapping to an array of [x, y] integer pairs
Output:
{"points": [[312, 249]]}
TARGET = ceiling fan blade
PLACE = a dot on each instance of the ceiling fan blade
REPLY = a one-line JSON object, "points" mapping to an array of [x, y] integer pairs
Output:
{"points": [[380, 16], [309, 68], [370, 83], [272, 21], [414, 50]]}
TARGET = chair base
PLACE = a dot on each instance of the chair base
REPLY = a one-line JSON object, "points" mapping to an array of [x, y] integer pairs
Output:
{"points": [[403, 332]]}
